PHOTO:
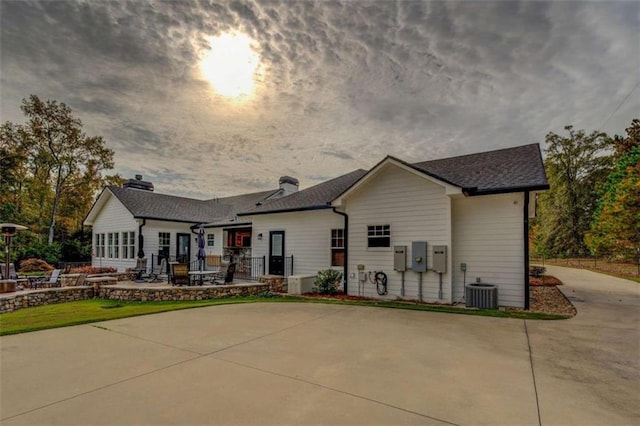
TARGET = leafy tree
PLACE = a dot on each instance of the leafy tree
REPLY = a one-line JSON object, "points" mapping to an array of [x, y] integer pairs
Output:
{"points": [[576, 166], [63, 165], [616, 224]]}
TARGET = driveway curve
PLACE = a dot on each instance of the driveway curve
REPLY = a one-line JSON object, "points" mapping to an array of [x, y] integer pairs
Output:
{"points": [[300, 363]]}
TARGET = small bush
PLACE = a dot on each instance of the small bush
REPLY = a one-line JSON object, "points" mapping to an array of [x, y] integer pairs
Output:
{"points": [[90, 270], [327, 281], [537, 271], [35, 265]]}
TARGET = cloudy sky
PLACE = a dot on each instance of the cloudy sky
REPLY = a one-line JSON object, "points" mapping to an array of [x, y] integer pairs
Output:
{"points": [[336, 85]]}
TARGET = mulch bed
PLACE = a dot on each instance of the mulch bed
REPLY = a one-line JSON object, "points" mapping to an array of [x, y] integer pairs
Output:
{"points": [[545, 280]]}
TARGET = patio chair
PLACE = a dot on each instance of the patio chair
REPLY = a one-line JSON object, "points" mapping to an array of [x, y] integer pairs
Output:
{"points": [[160, 275], [50, 280], [225, 276], [179, 273], [21, 281], [140, 269]]}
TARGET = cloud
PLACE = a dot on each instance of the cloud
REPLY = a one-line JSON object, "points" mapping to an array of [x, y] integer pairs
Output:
{"points": [[352, 80]]}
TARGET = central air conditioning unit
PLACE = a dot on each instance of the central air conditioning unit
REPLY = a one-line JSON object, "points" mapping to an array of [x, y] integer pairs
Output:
{"points": [[482, 296]]}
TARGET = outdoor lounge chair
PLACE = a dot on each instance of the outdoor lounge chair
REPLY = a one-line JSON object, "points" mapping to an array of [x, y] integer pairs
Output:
{"points": [[50, 280], [161, 274], [225, 276], [180, 273]]}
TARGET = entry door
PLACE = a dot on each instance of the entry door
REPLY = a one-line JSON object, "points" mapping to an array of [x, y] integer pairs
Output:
{"points": [[183, 250], [276, 252]]}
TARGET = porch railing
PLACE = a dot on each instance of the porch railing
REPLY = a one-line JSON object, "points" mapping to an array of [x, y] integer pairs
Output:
{"points": [[247, 268]]}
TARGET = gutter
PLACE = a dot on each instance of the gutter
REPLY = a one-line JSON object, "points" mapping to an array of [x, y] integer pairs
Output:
{"points": [[525, 211], [345, 274], [287, 210]]}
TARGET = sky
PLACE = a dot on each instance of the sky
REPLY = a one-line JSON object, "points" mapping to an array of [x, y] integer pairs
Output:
{"points": [[332, 86]]}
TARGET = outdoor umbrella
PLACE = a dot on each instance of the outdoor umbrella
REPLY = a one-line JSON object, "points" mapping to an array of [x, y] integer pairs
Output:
{"points": [[201, 253], [140, 245]]}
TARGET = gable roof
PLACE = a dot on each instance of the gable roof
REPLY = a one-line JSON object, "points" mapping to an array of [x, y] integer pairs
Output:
{"points": [[313, 198], [501, 171], [150, 205], [504, 170]]}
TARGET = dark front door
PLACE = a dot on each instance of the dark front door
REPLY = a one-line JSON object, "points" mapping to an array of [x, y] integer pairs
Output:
{"points": [[276, 252], [183, 249]]}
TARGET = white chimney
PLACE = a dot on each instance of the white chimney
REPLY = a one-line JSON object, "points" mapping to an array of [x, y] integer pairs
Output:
{"points": [[288, 185]]}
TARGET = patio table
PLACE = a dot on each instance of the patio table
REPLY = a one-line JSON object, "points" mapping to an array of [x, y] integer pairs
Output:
{"points": [[193, 275]]}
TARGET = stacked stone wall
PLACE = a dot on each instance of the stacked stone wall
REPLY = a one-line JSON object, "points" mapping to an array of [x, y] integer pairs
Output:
{"points": [[11, 303], [180, 293]]}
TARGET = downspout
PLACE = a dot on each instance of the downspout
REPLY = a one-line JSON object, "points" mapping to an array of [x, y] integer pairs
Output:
{"points": [[346, 249], [526, 250]]}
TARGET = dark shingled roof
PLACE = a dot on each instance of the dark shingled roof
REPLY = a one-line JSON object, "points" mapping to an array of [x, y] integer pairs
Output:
{"points": [[150, 205], [505, 170], [313, 198]]}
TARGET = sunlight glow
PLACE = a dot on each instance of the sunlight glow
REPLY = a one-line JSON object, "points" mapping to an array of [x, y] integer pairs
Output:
{"points": [[230, 65]]}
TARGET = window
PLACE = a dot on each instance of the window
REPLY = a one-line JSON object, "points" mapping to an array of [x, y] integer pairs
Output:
{"points": [[211, 240], [164, 243], [379, 236], [113, 245], [99, 250], [128, 245], [337, 247]]}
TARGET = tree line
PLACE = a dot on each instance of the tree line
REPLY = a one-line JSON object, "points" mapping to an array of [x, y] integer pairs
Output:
{"points": [[50, 173], [593, 205]]}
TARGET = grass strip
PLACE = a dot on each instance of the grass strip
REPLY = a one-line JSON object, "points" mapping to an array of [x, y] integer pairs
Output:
{"points": [[95, 310]]}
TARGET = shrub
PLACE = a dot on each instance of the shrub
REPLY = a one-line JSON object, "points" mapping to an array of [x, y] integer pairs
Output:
{"points": [[90, 270], [537, 271], [327, 281], [35, 265]]}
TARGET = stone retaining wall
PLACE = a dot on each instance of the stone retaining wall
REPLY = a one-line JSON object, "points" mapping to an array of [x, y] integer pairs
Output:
{"points": [[276, 283], [44, 297], [181, 293], [11, 302]]}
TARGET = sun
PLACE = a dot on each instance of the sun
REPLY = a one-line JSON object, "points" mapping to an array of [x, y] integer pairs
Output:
{"points": [[230, 65]]}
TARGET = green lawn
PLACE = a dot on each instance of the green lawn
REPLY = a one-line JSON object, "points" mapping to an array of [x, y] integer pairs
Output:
{"points": [[87, 311]]}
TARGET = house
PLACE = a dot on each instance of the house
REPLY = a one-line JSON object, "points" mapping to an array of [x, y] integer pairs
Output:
{"points": [[465, 217], [474, 209], [133, 221]]}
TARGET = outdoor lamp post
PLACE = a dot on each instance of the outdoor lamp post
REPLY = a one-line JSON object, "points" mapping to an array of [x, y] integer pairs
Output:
{"points": [[9, 230]]}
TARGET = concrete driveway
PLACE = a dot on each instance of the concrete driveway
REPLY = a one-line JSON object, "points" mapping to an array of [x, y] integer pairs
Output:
{"points": [[291, 363]]}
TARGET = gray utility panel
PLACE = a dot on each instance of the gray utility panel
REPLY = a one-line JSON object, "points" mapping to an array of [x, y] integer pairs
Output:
{"points": [[439, 259], [400, 258], [419, 256]]}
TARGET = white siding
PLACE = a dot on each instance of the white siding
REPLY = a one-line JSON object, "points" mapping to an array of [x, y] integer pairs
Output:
{"points": [[152, 228], [488, 237], [417, 210], [114, 217], [307, 237]]}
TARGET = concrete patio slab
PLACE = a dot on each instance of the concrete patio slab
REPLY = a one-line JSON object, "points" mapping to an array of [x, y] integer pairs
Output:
{"points": [[300, 363]]}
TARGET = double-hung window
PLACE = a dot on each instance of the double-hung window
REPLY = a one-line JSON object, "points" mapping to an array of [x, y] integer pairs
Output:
{"points": [[99, 248], [211, 240], [113, 245], [379, 236], [337, 247], [128, 245]]}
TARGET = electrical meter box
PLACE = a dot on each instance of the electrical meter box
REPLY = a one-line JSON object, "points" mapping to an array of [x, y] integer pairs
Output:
{"points": [[419, 256], [439, 259], [400, 258]]}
